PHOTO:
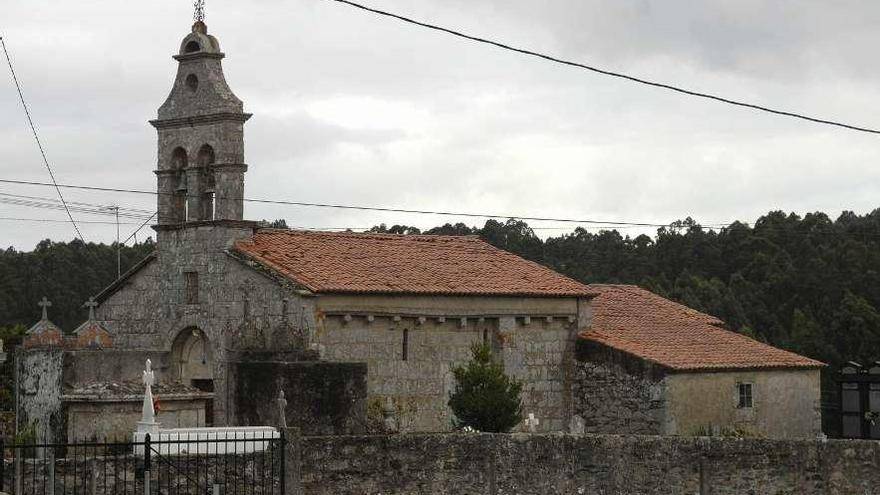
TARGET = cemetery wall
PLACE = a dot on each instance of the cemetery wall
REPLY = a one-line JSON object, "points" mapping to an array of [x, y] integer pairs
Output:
{"points": [[594, 464]]}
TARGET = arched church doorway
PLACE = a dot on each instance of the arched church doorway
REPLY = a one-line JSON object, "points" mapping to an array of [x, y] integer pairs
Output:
{"points": [[192, 362]]}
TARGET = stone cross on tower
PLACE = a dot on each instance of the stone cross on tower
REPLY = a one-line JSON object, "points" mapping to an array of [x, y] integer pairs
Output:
{"points": [[45, 303], [91, 304]]}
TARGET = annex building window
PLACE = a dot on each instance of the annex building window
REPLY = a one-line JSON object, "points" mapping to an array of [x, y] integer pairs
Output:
{"points": [[191, 288], [744, 395]]}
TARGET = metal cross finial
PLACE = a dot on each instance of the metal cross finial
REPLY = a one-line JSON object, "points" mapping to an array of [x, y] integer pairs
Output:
{"points": [[199, 14], [91, 304], [45, 303]]}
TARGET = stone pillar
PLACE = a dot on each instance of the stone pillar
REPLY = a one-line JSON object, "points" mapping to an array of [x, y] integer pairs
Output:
{"points": [[229, 187], [166, 185], [193, 194], [292, 461]]}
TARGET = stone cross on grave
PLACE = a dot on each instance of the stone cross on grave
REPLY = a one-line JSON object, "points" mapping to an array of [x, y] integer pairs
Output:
{"points": [[148, 424], [45, 303], [532, 422], [91, 304]]}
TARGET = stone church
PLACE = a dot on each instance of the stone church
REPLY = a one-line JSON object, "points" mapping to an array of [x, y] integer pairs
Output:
{"points": [[351, 326]]}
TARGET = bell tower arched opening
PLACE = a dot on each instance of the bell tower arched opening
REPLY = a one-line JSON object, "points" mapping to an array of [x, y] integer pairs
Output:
{"points": [[179, 164], [205, 161]]}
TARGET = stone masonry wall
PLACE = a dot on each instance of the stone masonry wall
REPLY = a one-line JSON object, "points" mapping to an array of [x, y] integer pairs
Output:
{"points": [[537, 351], [525, 464], [617, 394], [40, 375], [418, 386], [611, 401]]}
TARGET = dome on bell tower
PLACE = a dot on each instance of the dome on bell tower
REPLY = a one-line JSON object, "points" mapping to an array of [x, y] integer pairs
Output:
{"points": [[199, 40], [201, 138]]}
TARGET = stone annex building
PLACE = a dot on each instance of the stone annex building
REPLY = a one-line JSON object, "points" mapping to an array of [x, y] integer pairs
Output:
{"points": [[354, 327]]}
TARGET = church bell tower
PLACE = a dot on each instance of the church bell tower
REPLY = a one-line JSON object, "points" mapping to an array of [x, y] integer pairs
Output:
{"points": [[201, 165]]}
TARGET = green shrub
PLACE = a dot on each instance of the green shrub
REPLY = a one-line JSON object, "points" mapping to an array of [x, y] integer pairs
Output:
{"points": [[485, 399]]}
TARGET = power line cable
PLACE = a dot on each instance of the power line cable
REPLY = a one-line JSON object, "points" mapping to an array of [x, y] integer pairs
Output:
{"points": [[54, 206], [708, 227], [77, 203], [37, 138], [133, 234], [52, 220], [605, 72], [592, 223], [359, 207]]}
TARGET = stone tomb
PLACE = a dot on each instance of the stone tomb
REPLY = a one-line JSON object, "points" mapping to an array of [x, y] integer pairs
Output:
{"points": [[200, 441]]}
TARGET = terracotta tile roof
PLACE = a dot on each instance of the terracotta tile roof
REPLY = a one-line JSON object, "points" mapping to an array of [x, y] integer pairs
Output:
{"points": [[641, 323], [338, 262]]}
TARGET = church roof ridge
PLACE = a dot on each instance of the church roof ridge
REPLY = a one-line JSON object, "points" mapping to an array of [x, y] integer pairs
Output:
{"points": [[378, 263], [376, 235]]}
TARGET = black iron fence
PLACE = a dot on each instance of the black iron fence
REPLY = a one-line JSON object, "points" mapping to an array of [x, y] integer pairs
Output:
{"points": [[246, 464]]}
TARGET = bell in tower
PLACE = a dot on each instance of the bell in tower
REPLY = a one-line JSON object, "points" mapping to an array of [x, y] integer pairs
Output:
{"points": [[201, 145]]}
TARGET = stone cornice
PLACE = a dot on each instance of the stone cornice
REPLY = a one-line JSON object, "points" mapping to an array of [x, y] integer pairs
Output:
{"points": [[197, 55], [242, 224], [240, 166], [200, 119]]}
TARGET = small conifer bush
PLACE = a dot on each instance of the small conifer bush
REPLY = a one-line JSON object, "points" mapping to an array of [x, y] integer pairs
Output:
{"points": [[485, 398]]}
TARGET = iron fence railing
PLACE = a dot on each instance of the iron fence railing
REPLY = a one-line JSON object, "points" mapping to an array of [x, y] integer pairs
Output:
{"points": [[250, 464]]}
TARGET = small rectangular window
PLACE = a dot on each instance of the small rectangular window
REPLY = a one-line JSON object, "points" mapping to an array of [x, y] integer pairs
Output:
{"points": [[744, 393], [405, 350], [191, 288]]}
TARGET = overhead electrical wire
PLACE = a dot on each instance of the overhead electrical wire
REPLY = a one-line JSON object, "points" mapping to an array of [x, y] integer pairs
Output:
{"points": [[37, 138], [54, 206], [362, 208], [110, 209], [605, 72], [142, 225], [600, 224], [53, 220]]}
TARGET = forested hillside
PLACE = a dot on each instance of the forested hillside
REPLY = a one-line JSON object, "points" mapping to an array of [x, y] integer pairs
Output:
{"points": [[809, 284]]}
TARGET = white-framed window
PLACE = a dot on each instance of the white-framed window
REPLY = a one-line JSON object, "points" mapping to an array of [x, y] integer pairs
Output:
{"points": [[745, 395]]}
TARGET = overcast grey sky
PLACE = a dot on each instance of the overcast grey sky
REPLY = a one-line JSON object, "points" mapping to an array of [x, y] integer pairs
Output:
{"points": [[357, 109]]}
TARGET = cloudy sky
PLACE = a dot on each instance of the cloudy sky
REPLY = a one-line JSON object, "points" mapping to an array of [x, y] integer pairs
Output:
{"points": [[352, 108]]}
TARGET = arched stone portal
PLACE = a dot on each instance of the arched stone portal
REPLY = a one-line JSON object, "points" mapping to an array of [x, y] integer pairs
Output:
{"points": [[192, 362]]}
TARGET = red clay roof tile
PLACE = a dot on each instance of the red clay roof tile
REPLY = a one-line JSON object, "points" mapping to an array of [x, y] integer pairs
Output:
{"points": [[342, 262], [641, 323]]}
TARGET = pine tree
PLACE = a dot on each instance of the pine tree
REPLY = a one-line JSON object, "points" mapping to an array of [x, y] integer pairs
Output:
{"points": [[485, 399]]}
